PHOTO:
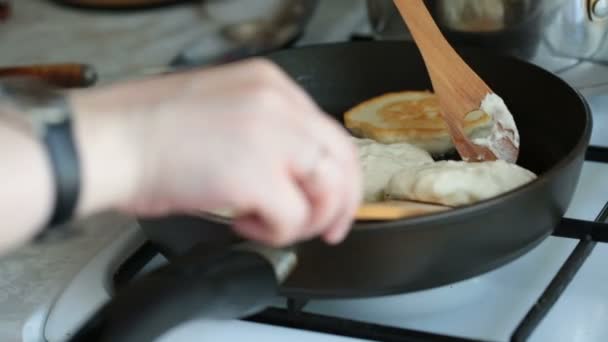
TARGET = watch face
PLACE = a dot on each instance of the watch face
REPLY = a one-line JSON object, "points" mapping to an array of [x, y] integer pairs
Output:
{"points": [[42, 103], [54, 113]]}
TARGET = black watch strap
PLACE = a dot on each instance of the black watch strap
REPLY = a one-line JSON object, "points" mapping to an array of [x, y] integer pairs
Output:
{"points": [[63, 157]]}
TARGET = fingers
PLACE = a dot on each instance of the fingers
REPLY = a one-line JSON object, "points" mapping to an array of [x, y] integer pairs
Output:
{"points": [[322, 186], [290, 209], [279, 212], [334, 193], [337, 230], [334, 188]]}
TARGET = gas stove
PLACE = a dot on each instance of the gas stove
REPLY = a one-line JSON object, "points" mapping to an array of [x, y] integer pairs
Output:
{"points": [[556, 292]]}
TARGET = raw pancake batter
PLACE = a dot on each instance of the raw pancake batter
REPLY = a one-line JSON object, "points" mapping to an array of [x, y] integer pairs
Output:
{"points": [[380, 161]]}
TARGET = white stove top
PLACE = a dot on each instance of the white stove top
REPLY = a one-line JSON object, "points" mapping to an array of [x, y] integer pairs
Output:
{"points": [[488, 307], [491, 306]]}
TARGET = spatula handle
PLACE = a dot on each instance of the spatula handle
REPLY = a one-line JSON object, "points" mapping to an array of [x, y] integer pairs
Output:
{"points": [[450, 75], [459, 88], [394, 210]]}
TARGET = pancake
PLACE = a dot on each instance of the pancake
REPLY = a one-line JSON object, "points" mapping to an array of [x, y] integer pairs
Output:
{"points": [[380, 161], [456, 183], [410, 117]]}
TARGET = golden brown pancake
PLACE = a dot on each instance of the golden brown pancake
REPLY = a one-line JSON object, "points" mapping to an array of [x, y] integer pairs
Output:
{"points": [[412, 117]]}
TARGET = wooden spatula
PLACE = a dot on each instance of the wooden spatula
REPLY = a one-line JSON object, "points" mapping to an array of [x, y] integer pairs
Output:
{"points": [[459, 89], [393, 210], [381, 211]]}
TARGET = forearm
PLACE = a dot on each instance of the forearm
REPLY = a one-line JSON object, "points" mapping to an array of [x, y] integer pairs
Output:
{"points": [[27, 196], [108, 143], [106, 148]]}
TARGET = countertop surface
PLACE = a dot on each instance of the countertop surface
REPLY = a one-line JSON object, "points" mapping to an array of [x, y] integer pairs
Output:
{"points": [[116, 44], [40, 32]]}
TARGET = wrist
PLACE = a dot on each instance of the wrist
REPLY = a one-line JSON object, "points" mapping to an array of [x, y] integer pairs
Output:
{"points": [[108, 143], [29, 185]]}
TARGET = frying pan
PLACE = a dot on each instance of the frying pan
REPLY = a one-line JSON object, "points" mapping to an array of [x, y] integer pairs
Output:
{"points": [[215, 274]]}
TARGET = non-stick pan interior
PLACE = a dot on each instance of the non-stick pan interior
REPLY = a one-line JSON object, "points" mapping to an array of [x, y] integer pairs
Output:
{"points": [[405, 255], [339, 78]]}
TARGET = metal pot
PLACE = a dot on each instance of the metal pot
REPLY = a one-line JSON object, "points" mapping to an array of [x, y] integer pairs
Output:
{"points": [[570, 28]]}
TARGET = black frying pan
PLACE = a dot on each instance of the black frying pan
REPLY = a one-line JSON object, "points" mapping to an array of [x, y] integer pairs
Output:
{"points": [[208, 276]]}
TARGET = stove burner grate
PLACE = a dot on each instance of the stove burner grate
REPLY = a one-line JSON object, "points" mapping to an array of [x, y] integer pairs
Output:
{"points": [[587, 232]]}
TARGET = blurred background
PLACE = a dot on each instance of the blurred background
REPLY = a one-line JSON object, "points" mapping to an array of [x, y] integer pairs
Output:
{"points": [[127, 38], [121, 39]]}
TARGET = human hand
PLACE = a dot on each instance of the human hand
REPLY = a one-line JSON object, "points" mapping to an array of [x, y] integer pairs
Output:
{"points": [[244, 137]]}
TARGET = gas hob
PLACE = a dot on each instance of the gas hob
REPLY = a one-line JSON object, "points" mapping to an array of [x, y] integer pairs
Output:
{"points": [[555, 292]]}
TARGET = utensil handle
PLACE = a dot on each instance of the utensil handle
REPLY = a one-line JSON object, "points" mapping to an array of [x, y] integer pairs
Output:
{"points": [[438, 55], [226, 286], [65, 75]]}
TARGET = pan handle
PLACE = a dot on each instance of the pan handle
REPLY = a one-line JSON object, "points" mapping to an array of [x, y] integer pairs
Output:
{"points": [[229, 285]]}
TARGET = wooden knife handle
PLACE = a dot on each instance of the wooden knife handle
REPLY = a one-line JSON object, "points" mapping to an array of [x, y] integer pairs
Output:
{"points": [[119, 4], [65, 75], [5, 10], [379, 211]]}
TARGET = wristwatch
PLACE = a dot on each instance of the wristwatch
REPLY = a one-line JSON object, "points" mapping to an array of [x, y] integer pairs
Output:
{"points": [[45, 110]]}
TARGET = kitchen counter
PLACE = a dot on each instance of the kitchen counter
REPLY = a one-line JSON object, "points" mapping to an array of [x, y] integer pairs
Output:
{"points": [[40, 32], [33, 274], [115, 44]]}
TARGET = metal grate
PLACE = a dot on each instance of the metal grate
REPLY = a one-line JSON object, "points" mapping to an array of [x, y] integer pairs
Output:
{"points": [[347, 328], [589, 234]]}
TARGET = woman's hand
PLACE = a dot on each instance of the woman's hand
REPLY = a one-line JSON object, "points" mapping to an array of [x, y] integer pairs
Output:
{"points": [[241, 136]]}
